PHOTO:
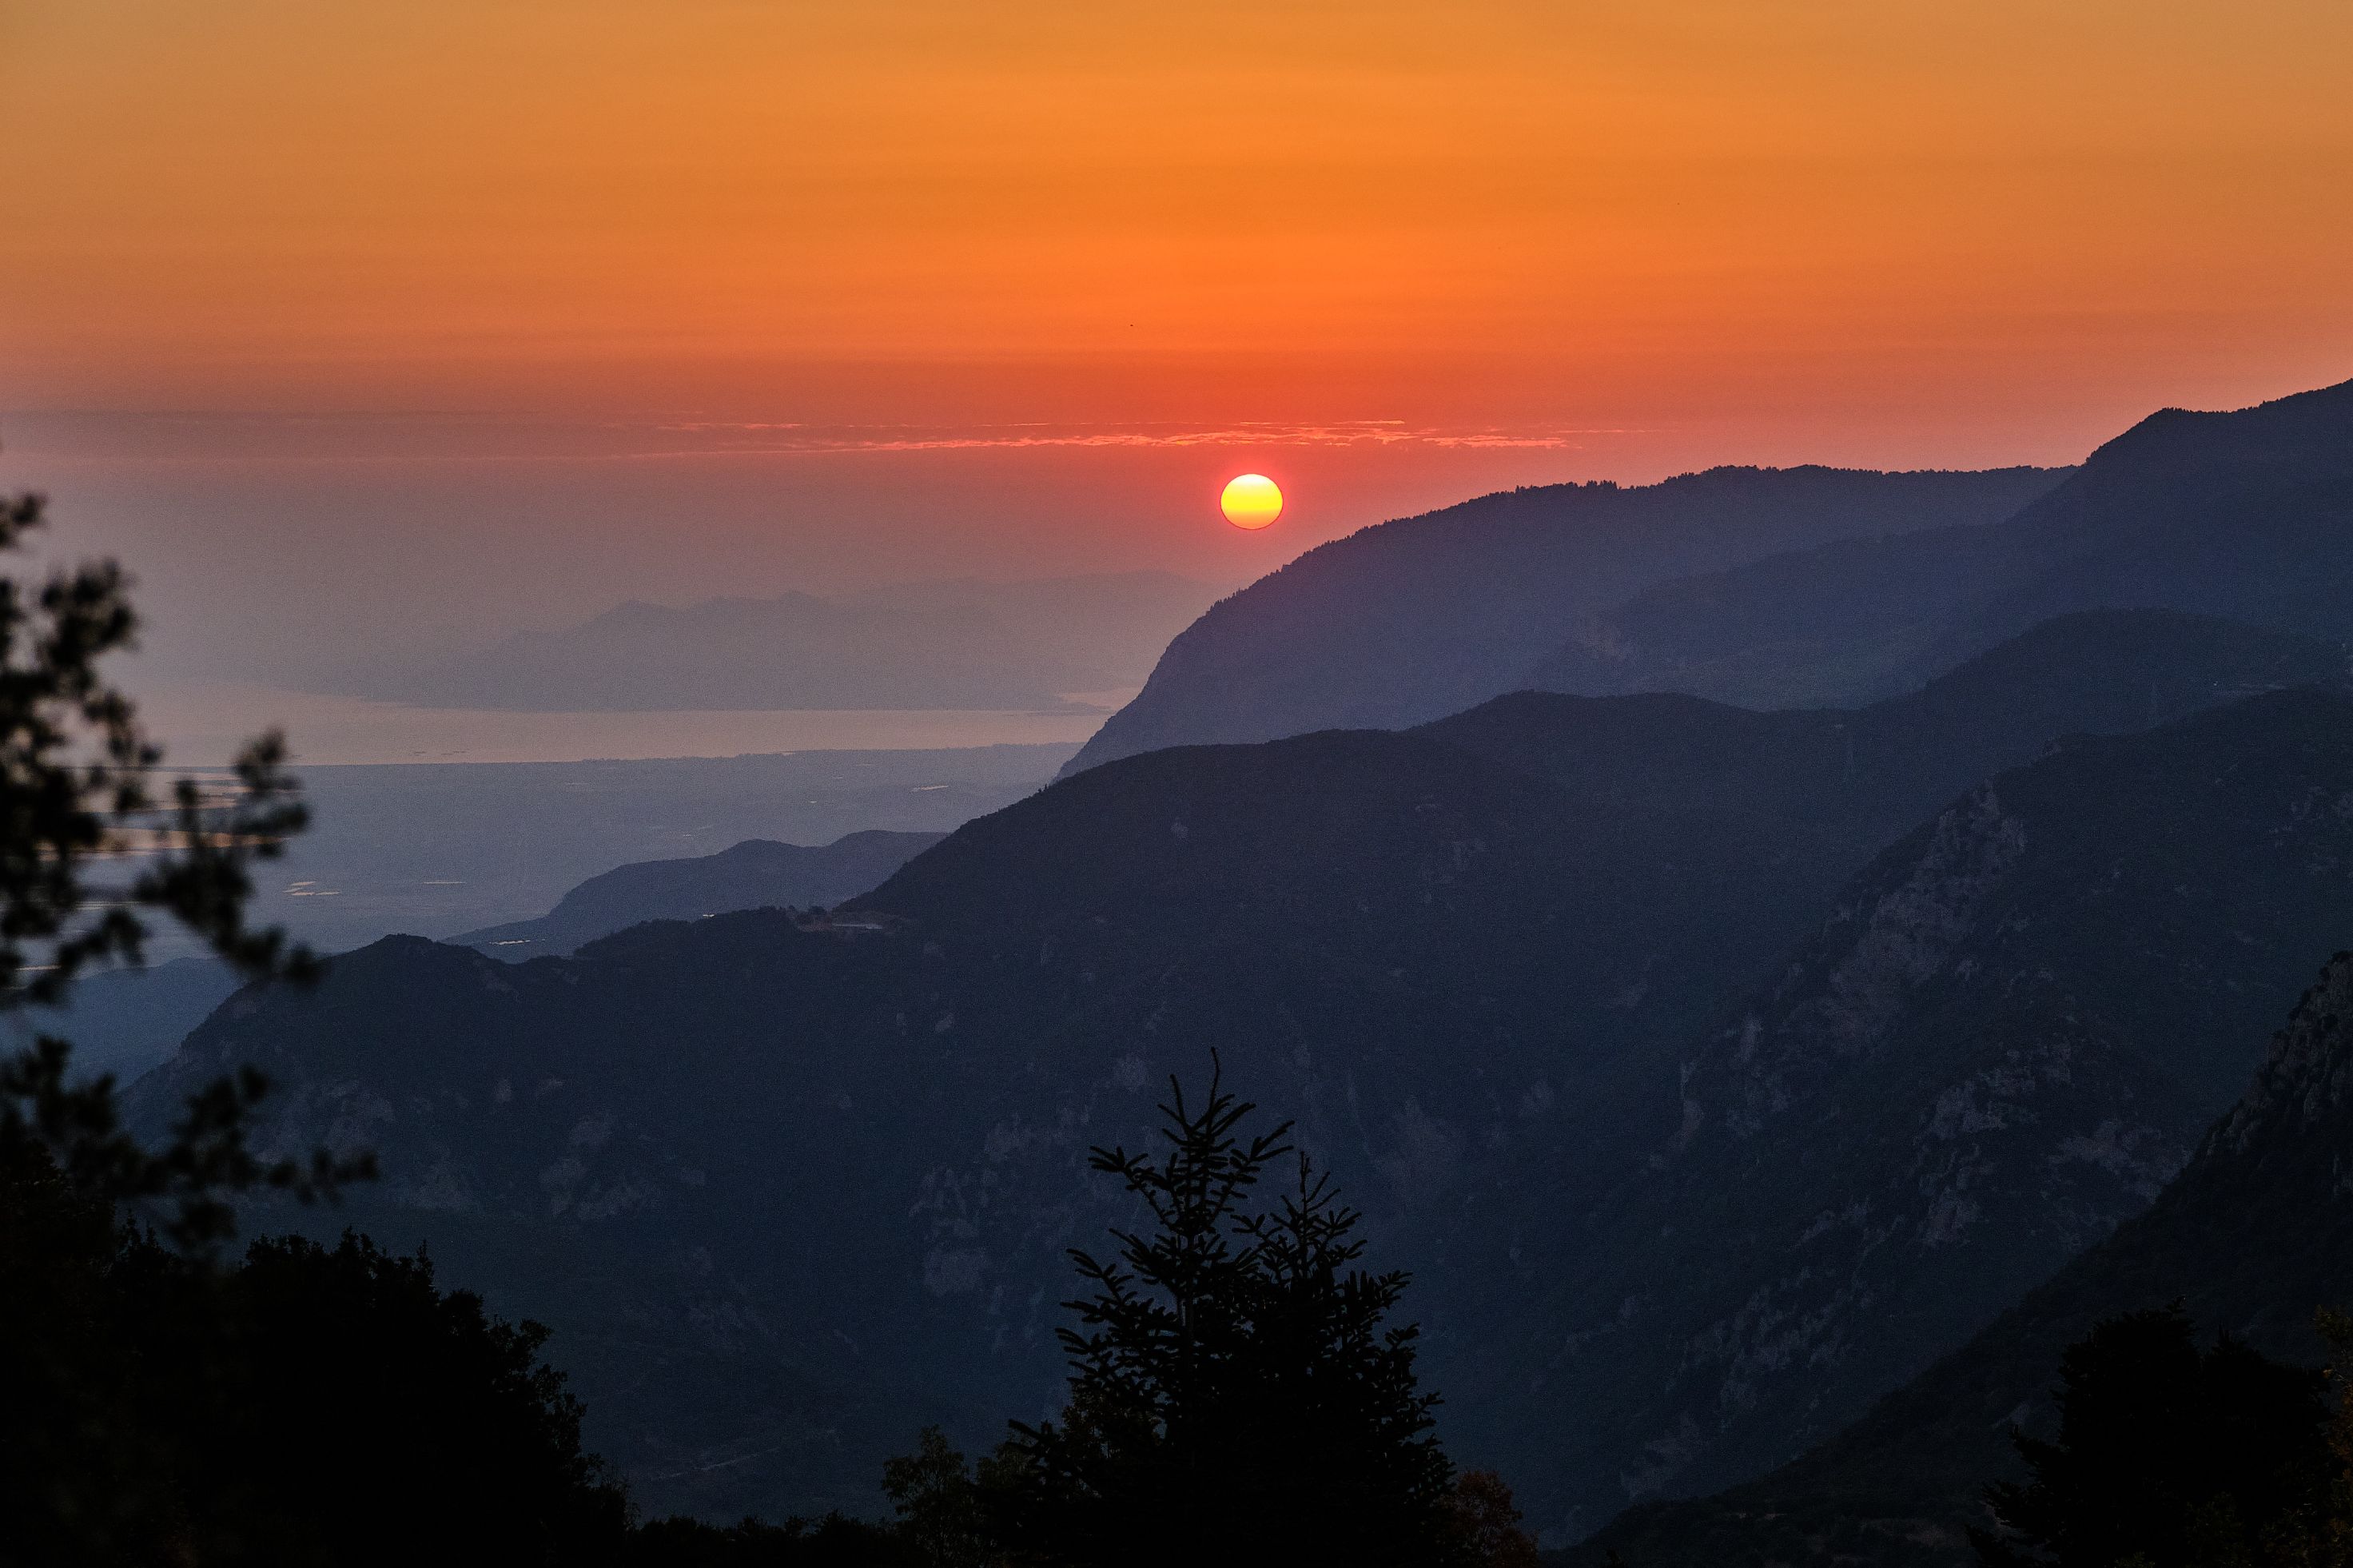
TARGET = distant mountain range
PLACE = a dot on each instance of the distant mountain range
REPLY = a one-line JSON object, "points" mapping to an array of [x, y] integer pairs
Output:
{"points": [[1873, 773], [437, 848], [1725, 1078], [2247, 515], [789, 1193], [758, 873], [441, 847], [962, 644], [125, 1021], [1807, 587], [2254, 1233], [1424, 616]]}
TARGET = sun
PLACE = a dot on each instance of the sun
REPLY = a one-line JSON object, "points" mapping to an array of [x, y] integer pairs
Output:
{"points": [[1252, 502]]}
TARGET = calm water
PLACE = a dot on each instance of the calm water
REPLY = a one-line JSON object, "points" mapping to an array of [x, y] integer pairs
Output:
{"points": [[202, 723]]}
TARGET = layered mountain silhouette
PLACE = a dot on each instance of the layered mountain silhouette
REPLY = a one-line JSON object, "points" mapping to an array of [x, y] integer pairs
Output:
{"points": [[758, 873], [2247, 515], [1417, 618], [2007, 1036], [959, 644], [435, 848], [1091, 633], [790, 1188], [125, 1021], [1875, 772], [2255, 1233], [1801, 588]]}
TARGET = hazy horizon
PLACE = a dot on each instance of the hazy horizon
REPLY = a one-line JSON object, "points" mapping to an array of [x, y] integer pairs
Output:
{"points": [[374, 333], [1703, 650], [316, 551]]}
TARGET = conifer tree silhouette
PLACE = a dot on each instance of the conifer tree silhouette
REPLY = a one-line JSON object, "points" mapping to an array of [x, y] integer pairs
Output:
{"points": [[2168, 1455], [1238, 1393], [89, 855]]}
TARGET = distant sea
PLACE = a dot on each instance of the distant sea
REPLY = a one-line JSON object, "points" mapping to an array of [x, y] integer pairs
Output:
{"points": [[202, 722]]}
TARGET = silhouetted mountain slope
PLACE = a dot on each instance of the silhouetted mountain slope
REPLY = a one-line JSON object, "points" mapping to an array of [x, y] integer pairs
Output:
{"points": [[2246, 515], [776, 1183], [789, 1193], [2006, 1039], [1870, 773], [1412, 619], [1842, 624], [758, 873], [648, 1160], [2255, 1232], [434, 847], [125, 1021], [1398, 857]]}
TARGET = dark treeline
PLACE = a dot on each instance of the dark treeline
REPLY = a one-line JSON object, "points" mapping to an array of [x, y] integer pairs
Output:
{"points": [[2173, 1455], [310, 1404], [1237, 1395]]}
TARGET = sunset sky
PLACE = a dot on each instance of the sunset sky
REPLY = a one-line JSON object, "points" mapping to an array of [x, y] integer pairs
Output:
{"points": [[421, 321]]}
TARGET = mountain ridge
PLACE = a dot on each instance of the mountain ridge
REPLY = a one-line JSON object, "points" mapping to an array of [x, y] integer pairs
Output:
{"points": [[1408, 620], [2240, 515], [827, 1171], [756, 873]]}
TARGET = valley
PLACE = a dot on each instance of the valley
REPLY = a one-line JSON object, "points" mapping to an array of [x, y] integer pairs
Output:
{"points": [[1248, 784], [1715, 1072]]}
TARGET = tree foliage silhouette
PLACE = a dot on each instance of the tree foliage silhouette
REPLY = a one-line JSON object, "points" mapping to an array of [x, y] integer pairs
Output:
{"points": [[1238, 1393], [941, 1521], [311, 1405], [89, 855], [834, 1541], [306, 1405], [97, 1319], [1487, 1522], [2168, 1455], [2327, 1540]]}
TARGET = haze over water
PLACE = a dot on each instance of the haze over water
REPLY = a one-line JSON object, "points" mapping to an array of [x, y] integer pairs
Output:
{"points": [[203, 723]]}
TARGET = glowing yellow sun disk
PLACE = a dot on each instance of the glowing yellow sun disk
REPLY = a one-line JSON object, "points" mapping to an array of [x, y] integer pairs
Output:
{"points": [[1252, 502]]}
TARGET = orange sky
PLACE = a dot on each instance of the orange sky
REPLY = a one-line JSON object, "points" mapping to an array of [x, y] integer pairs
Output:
{"points": [[245, 201], [1629, 236]]}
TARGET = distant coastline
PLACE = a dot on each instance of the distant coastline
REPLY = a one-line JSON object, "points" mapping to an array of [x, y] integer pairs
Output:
{"points": [[201, 724]]}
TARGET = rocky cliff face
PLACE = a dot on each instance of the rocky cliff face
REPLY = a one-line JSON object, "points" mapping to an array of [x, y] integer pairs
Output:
{"points": [[2306, 1085], [2254, 1233], [2008, 1036]]}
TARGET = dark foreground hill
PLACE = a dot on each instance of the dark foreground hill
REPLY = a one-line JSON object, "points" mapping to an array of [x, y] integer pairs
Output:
{"points": [[758, 873], [789, 1193], [2246, 515], [2255, 1232], [1426, 615]]}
